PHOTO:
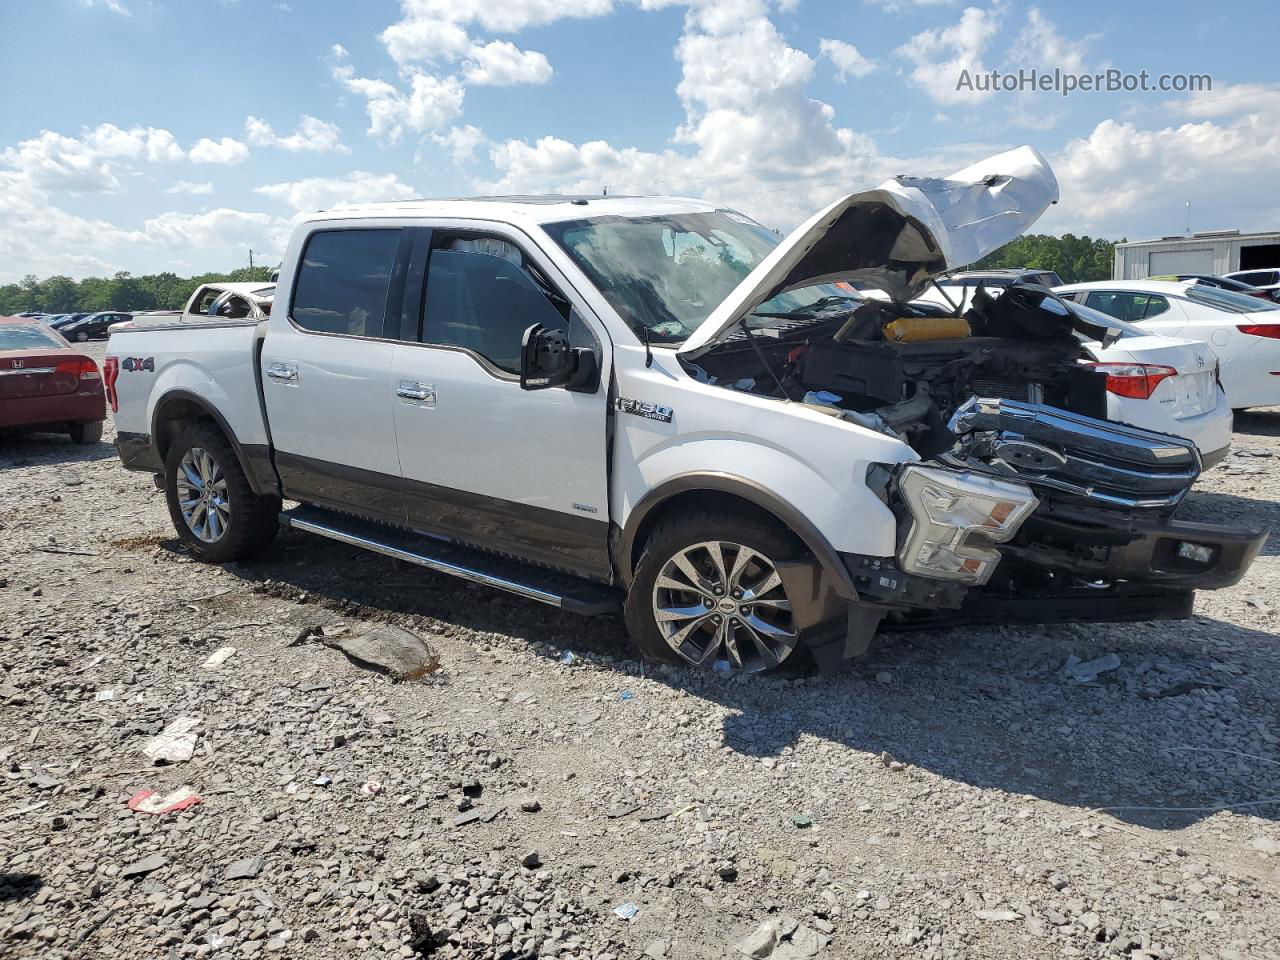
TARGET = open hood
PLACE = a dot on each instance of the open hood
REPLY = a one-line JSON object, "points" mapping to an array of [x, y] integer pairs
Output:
{"points": [[896, 237]]}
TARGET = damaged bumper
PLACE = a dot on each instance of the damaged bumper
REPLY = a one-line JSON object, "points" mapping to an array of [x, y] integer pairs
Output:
{"points": [[1037, 515]]}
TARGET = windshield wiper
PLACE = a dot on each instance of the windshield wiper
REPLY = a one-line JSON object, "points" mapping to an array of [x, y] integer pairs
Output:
{"points": [[808, 311]]}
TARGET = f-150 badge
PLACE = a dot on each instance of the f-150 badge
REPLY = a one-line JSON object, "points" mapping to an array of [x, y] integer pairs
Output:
{"points": [[643, 408]]}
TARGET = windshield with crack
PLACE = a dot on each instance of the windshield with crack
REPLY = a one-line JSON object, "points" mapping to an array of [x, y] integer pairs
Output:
{"points": [[666, 273]]}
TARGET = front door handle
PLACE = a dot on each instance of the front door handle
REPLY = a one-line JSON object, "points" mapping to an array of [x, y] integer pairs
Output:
{"points": [[283, 370], [421, 394]]}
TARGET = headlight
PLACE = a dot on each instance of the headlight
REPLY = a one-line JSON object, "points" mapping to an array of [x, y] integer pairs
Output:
{"points": [[956, 520]]}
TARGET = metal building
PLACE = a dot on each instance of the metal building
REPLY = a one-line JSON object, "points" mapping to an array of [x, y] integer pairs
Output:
{"points": [[1211, 251]]}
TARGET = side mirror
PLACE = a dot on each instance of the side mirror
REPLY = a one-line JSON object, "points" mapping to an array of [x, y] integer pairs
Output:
{"points": [[545, 358]]}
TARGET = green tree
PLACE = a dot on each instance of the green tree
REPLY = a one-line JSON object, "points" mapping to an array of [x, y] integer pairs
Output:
{"points": [[58, 294], [1074, 259], [123, 291]]}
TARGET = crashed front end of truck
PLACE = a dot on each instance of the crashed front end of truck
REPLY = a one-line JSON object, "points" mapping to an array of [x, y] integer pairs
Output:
{"points": [[1026, 503]]}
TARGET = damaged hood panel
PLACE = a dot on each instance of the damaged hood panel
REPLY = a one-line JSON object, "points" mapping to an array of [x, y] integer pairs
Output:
{"points": [[898, 236]]}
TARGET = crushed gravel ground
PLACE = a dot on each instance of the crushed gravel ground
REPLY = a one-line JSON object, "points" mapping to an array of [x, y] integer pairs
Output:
{"points": [[957, 794]]}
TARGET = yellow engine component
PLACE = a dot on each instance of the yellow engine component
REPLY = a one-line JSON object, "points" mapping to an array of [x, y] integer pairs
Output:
{"points": [[912, 329]]}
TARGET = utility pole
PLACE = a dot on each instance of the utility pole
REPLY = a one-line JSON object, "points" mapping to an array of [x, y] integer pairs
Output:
{"points": [[1188, 233], [251, 258]]}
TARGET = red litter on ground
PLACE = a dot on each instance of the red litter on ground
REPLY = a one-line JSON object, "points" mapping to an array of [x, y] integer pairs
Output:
{"points": [[146, 801]]}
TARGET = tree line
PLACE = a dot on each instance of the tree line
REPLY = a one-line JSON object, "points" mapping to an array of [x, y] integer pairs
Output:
{"points": [[125, 292], [1074, 259]]}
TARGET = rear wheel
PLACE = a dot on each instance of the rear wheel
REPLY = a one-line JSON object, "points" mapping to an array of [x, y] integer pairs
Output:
{"points": [[82, 336], [707, 593], [90, 432], [216, 513]]}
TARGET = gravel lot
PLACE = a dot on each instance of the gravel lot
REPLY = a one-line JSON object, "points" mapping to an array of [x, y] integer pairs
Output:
{"points": [[954, 795]]}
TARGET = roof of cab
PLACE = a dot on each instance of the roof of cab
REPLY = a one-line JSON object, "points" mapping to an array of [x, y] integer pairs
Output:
{"points": [[547, 208]]}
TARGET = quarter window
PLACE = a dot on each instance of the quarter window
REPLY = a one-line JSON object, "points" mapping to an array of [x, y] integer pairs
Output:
{"points": [[343, 282], [482, 294]]}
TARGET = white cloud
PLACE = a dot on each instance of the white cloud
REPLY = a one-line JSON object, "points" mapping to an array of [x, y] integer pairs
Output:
{"points": [[311, 136], [226, 151], [420, 39], [86, 164], [941, 56], [1229, 101], [433, 29], [189, 187], [431, 102], [1124, 180], [38, 237], [211, 228], [338, 52], [501, 63], [322, 193], [757, 139], [115, 6], [461, 142], [848, 59], [1039, 44]]}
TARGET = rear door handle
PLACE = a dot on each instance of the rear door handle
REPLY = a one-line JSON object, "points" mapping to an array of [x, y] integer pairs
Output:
{"points": [[420, 394], [283, 370]]}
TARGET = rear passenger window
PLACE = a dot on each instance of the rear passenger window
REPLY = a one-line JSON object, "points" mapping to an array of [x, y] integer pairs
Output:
{"points": [[343, 282], [482, 295], [1149, 306]]}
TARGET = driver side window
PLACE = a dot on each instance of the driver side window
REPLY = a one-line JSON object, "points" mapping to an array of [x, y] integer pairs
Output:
{"points": [[483, 293]]}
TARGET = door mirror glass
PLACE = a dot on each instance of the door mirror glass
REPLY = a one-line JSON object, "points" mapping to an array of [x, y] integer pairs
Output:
{"points": [[546, 360]]}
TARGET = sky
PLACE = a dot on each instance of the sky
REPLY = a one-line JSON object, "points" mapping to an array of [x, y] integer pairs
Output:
{"points": [[154, 135]]}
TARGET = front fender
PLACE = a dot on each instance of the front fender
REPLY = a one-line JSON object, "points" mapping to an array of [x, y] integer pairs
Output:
{"points": [[829, 519]]}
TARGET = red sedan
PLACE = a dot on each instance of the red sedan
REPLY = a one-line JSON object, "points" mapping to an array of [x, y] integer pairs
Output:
{"points": [[47, 384]]}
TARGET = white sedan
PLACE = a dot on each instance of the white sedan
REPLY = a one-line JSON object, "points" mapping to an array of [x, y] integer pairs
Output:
{"points": [[1242, 331]]}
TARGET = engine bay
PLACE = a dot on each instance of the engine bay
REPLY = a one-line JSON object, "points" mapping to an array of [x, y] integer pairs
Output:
{"points": [[905, 369], [999, 392]]}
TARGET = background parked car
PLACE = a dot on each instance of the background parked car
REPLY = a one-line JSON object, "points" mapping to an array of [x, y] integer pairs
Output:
{"points": [[92, 327], [1224, 283], [46, 383], [1268, 279], [1243, 331], [66, 318]]}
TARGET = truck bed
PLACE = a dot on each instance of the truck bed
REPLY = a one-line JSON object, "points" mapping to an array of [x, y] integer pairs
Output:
{"points": [[161, 364]]}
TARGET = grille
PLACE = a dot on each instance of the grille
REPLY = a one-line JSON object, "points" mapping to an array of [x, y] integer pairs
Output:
{"points": [[1005, 389], [1061, 453]]}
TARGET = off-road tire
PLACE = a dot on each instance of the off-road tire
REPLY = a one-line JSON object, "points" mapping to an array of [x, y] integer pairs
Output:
{"points": [[86, 431], [678, 532], [253, 520]]}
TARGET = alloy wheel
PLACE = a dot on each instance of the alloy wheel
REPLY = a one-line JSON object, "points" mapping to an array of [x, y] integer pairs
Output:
{"points": [[202, 495], [722, 605]]}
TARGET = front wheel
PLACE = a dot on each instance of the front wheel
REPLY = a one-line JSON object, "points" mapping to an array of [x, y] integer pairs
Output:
{"points": [[707, 593], [213, 508]]}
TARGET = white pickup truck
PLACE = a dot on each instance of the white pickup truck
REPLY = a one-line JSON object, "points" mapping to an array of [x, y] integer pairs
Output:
{"points": [[658, 406]]}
